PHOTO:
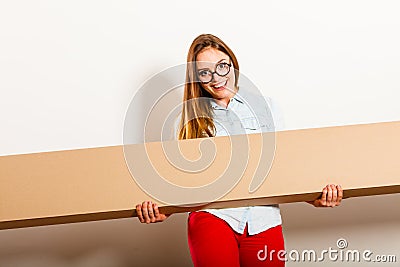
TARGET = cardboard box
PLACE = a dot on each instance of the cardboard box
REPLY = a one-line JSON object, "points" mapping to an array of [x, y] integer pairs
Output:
{"points": [[96, 184]]}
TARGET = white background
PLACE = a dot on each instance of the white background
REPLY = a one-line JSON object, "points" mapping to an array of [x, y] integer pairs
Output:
{"points": [[68, 69]]}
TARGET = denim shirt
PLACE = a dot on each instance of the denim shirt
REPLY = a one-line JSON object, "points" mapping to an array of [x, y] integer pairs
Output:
{"points": [[239, 118]]}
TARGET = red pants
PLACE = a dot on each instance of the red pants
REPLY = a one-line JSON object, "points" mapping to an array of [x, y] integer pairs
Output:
{"points": [[212, 242]]}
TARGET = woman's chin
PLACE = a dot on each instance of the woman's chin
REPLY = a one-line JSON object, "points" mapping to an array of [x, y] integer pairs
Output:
{"points": [[222, 92], [220, 95]]}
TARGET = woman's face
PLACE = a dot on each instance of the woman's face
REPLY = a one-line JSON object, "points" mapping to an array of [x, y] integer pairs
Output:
{"points": [[222, 88]]}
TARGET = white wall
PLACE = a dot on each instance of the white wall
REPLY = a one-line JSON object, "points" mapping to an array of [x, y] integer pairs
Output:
{"points": [[68, 70]]}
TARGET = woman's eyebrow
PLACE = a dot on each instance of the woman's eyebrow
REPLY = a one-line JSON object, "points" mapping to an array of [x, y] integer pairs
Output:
{"points": [[221, 60], [215, 64]]}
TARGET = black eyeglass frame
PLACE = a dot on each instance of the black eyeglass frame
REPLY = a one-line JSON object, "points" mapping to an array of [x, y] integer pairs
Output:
{"points": [[215, 72]]}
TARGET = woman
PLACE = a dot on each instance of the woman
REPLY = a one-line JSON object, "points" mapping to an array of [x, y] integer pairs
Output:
{"points": [[233, 236]]}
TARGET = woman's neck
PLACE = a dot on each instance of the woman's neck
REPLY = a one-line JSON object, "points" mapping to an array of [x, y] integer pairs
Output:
{"points": [[224, 102]]}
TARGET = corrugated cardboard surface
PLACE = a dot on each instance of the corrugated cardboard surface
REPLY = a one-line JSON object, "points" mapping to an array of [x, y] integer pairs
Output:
{"points": [[95, 183]]}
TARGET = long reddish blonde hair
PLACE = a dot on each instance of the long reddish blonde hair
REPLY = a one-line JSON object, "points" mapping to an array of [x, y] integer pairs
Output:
{"points": [[197, 116]]}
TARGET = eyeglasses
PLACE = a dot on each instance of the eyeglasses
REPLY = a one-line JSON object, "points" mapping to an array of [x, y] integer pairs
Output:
{"points": [[206, 75]]}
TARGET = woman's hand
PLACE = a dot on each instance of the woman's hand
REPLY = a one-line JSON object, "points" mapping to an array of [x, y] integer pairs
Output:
{"points": [[148, 213], [331, 196]]}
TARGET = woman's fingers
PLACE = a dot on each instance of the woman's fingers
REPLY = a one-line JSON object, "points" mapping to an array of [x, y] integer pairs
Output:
{"points": [[151, 211], [156, 211], [340, 194], [148, 212], [139, 213], [145, 212], [324, 196], [329, 196], [334, 195]]}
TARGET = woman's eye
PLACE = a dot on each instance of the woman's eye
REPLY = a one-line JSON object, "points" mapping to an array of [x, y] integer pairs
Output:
{"points": [[203, 73], [222, 66]]}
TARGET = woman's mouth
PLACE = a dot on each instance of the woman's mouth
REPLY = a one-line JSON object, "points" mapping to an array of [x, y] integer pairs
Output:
{"points": [[220, 86]]}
